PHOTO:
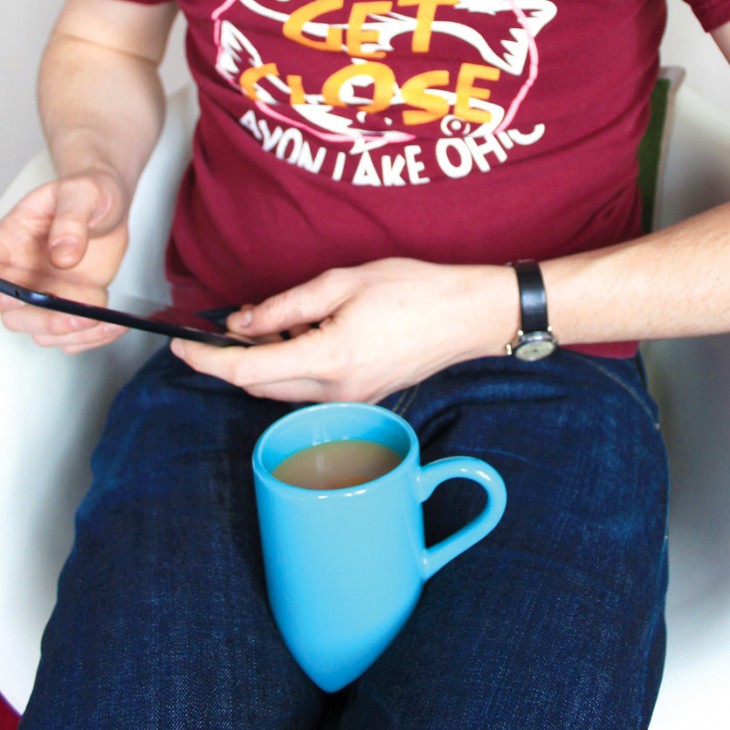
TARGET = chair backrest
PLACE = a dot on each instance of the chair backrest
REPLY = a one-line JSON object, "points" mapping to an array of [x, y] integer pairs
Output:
{"points": [[654, 145]]}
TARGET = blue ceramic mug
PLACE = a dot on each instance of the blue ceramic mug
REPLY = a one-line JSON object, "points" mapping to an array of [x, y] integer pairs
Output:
{"points": [[345, 567]]}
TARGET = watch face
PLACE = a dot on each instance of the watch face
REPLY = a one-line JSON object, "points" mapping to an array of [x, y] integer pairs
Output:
{"points": [[535, 346]]}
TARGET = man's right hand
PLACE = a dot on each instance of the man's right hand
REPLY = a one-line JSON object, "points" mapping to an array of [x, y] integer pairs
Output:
{"points": [[75, 230]]}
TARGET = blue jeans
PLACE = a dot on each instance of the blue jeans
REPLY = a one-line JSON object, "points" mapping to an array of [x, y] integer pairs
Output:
{"points": [[555, 620]]}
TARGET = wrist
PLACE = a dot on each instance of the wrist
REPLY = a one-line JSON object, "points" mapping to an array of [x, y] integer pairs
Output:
{"points": [[534, 339], [493, 310], [76, 153]]}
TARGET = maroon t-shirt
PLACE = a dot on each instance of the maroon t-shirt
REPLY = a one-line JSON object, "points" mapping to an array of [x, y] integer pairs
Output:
{"points": [[335, 132]]}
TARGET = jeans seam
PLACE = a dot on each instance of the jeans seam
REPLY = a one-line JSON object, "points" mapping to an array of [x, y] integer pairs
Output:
{"points": [[625, 386], [406, 400], [660, 588]]}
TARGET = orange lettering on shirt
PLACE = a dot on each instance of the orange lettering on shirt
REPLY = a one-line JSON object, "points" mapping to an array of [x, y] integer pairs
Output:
{"points": [[383, 82], [251, 76], [357, 35], [294, 82], [469, 73], [424, 20], [430, 106], [293, 28]]}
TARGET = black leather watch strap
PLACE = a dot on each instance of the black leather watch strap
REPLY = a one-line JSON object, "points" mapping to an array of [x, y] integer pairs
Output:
{"points": [[533, 300]]}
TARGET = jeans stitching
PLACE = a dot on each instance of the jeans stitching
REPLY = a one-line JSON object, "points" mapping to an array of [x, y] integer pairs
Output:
{"points": [[406, 400], [623, 384], [660, 588]]}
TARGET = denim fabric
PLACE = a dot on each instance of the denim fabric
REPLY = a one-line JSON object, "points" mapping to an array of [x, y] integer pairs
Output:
{"points": [[555, 620]]}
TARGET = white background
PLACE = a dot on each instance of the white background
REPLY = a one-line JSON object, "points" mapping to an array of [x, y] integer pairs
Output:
{"points": [[24, 28]]}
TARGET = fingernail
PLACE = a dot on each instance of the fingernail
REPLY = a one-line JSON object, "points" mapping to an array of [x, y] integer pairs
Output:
{"points": [[64, 248], [243, 318], [61, 243], [111, 329]]}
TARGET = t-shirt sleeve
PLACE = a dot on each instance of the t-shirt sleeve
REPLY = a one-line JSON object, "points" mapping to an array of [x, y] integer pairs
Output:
{"points": [[711, 13]]}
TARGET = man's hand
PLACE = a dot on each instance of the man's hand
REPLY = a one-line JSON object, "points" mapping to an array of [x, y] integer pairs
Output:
{"points": [[373, 329], [74, 230], [102, 108]]}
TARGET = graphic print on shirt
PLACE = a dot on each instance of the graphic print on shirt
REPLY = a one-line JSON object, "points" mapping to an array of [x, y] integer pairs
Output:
{"points": [[384, 92]]}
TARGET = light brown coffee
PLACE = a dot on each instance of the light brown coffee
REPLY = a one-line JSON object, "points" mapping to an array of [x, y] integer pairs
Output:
{"points": [[337, 464]]}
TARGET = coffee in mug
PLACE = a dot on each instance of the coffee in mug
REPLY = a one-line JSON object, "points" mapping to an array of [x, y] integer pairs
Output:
{"points": [[337, 464]]}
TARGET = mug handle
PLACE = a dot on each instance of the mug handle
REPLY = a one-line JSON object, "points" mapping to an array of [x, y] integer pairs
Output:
{"points": [[461, 467]]}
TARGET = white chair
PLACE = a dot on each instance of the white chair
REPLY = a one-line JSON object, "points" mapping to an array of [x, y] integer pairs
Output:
{"points": [[690, 379], [52, 406]]}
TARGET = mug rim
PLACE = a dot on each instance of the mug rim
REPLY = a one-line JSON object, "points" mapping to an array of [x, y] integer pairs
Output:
{"points": [[273, 482]]}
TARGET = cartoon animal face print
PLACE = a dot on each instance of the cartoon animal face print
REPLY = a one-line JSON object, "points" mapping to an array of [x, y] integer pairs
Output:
{"points": [[366, 74]]}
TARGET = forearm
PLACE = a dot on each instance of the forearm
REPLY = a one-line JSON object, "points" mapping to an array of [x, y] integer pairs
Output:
{"points": [[100, 97], [99, 111], [672, 283]]}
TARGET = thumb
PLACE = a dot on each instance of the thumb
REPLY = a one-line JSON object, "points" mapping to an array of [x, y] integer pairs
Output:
{"points": [[309, 303], [83, 205]]}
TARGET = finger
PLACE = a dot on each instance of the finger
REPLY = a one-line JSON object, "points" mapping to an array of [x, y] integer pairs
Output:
{"points": [[306, 304], [246, 334], [78, 350], [292, 391], [30, 217], [301, 358], [82, 203], [7, 303], [77, 201], [101, 334], [75, 349], [36, 321], [300, 329], [221, 363]]}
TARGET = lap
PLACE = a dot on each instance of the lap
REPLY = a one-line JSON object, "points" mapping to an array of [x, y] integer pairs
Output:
{"points": [[162, 619], [556, 618], [553, 617]]}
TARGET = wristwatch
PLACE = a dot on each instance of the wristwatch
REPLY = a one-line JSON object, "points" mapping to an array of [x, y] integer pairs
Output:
{"points": [[535, 339]]}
